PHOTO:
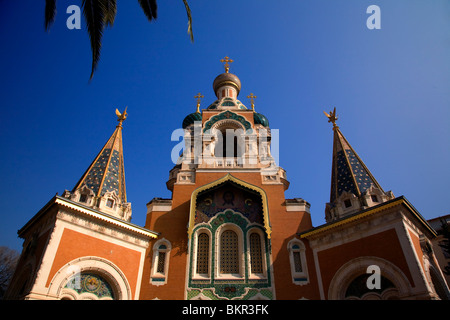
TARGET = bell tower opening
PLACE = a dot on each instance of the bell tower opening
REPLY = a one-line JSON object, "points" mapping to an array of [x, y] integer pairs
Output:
{"points": [[229, 141]]}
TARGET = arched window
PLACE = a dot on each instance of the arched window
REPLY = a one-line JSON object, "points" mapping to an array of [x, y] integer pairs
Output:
{"points": [[229, 145], [438, 284], [160, 265], [297, 259], [229, 252], [256, 256], [161, 262], [358, 289], [230, 141], [202, 267], [88, 286], [110, 203], [83, 198]]}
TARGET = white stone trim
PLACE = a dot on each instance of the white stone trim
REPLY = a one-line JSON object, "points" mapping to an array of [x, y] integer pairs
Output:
{"points": [[411, 256], [108, 219]]}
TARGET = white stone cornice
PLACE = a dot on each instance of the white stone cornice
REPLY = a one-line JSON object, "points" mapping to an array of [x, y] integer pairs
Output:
{"points": [[106, 218]]}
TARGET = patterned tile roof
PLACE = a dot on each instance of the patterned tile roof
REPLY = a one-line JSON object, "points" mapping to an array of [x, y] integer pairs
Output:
{"points": [[106, 173], [349, 173]]}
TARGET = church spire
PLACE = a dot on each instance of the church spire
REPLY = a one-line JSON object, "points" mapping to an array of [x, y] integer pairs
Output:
{"points": [[102, 186], [353, 187]]}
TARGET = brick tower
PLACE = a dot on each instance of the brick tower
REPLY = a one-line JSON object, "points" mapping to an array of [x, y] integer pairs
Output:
{"points": [[226, 232]]}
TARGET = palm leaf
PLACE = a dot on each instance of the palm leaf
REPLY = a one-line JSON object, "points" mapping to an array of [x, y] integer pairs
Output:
{"points": [[110, 11], [50, 13], [188, 12], [94, 12], [150, 8], [102, 13]]}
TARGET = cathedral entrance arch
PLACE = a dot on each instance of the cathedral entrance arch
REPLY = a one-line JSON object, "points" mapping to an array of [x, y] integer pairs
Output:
{"points": [[90, 278]]}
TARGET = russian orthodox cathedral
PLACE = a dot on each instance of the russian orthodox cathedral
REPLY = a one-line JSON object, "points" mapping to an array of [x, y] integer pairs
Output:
{"points": [[227, 232]]}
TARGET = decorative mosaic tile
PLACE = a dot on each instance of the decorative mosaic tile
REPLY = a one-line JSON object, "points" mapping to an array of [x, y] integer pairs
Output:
{"points": [[91, 283]]}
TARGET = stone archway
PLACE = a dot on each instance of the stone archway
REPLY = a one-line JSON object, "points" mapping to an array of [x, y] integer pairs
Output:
{"points": [[395, 284]]}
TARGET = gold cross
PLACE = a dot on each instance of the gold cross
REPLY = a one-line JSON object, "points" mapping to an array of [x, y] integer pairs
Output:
{"points": [[252, 101], [199, 98], [227, 66]]}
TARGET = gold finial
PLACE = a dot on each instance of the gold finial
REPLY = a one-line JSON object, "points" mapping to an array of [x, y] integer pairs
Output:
{"points": [[226, 65], [332, 117], [252, 101], [121, 116], [199, 98]]}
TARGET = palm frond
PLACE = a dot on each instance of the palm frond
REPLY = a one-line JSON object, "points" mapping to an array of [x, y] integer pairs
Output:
{"points": [[150, 8], [94, 13], [110, 11], [189, 15], [50, 13]]}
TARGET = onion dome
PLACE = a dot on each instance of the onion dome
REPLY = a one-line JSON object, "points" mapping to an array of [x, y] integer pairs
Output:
{"points": [[196, 116], [258, 118], [227, 85], [191, 118], [226, 80]]}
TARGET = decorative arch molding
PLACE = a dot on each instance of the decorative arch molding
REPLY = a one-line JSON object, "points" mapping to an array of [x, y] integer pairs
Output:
{"points": [[358, 266], [227, 124], [227, 115], [105, 268], [229, 177]]}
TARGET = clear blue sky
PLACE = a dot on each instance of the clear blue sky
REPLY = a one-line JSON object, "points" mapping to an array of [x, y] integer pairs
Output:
{"points": [[391, 88]]}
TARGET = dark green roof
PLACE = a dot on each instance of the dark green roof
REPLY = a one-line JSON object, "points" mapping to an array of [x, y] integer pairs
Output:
{"points": [[191, 118], [260, 119]]}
